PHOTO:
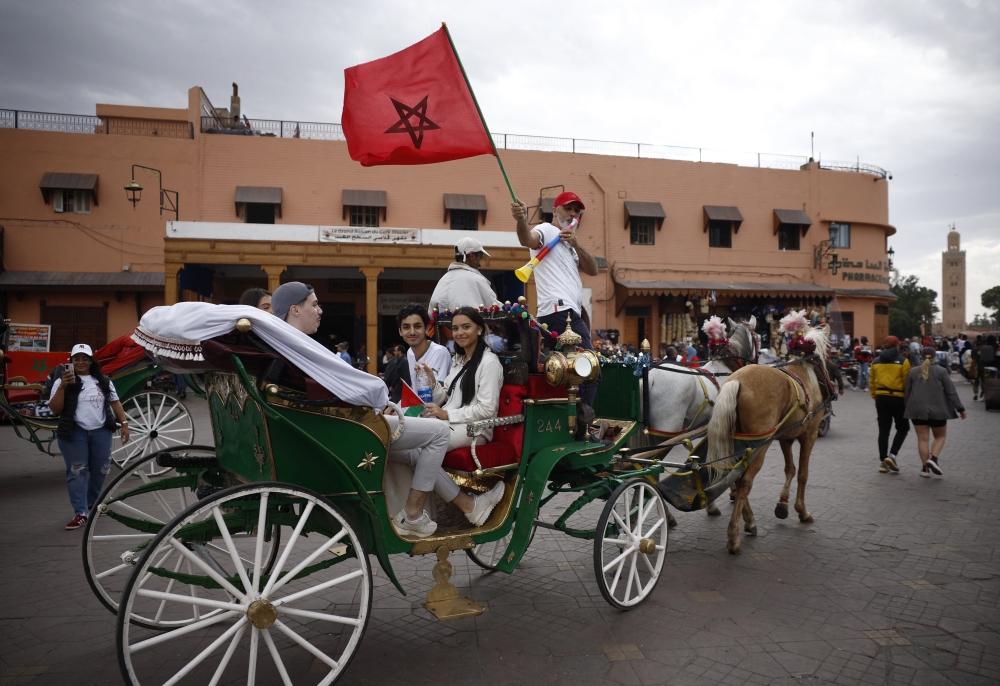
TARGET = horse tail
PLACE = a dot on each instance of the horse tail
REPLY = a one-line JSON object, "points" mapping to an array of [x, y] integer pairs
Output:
{"points": [[722, 425]]}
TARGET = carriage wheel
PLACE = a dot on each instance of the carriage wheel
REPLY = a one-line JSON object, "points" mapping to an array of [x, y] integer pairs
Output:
{"points": [[488, 555], [630, 544], [824, 426], [308, 614], [121, 523], [157, 422]]}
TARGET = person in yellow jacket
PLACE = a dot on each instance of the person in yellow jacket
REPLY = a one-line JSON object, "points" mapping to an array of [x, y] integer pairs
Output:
{"points": [[887, 384]]}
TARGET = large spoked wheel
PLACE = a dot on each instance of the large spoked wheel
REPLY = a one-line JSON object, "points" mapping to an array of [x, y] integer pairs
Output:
{"points": [[308, 614], [488, 555], [131, 511], [157, 422], [630, 544]]}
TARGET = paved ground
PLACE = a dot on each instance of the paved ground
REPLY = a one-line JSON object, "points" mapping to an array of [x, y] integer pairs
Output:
{"points": [[897, 582]]}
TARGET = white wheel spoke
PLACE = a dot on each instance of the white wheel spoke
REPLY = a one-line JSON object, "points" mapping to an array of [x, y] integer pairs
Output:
{"points": [[111, 571], [252, 668], [330, 662], [493, 552], [259, 549], [649, 566], [653, 528], [119, 505], [177, 633], [158, 415], [228, 656], [316, 589], [121, 537], [320, 615], [622, 524], [173, 421], [164, 439], [149, 575], [306, 511], [160, 432], [194, 592], [274, 656], [631, 576], [618, 560], [170, 586], [224, 530], [205, 568], [641, 514], [618, 574], [306, 562], [188, 600]]}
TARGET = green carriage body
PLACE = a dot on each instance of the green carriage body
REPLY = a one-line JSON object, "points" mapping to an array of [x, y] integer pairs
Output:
{"points": [[340, 452]]}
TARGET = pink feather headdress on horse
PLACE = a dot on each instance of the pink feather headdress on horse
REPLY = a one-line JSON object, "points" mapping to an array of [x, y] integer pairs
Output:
{"points": [[793, 325], [716, 332]]}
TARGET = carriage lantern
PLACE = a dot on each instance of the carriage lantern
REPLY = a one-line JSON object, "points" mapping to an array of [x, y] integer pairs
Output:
{"points": [[572, 367], [133, 192]]}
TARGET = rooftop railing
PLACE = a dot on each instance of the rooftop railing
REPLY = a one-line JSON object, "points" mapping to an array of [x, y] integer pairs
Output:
{"points": [[277, 128], [83, 123]]}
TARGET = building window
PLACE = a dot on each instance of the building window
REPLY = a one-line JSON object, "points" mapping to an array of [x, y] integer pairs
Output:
{"points": [[720, 233], [642, 230], [71, 202], [788, 237], [259, 213], [364, 216], [840, 235], [464, 220]]}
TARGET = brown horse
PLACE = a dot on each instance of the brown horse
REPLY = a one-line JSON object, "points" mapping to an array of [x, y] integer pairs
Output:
{"points": [[758, 400]]}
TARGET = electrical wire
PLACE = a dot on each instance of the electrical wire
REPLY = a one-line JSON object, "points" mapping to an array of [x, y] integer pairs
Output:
{"points": [[87, 231]]}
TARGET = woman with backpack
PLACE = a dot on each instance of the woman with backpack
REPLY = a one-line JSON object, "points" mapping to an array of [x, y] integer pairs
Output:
{"points": [[931, 400], [88, 407], [987, 357]]}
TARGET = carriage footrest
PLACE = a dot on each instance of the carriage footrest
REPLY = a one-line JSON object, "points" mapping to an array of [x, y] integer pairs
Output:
{"points": [[182, 460]]}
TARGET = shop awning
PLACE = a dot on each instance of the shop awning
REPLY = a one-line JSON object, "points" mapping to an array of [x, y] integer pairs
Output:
{"points": [[72, 182], [366, 199], [644, 209], [793, 217], [81, 281], [867, 293], [265, 195], [458, 201], [723, 213], [749, 289]]}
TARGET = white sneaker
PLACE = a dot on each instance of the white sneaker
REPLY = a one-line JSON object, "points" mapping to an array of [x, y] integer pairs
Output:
{"points": [[422, 527], [484, 504]]}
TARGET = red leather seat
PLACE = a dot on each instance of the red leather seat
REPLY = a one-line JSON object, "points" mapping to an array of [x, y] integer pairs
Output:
{"points": [[505, 448], [16, 397]]}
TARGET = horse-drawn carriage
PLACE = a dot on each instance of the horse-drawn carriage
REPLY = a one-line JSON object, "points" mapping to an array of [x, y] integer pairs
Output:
{"points": [[266, 539], [157, 420]]}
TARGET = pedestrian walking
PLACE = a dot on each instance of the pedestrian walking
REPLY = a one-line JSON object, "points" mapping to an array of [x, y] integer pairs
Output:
{"points": [[887, 383], [931, 400], [87, 405], [985, 355], [863, 354]]}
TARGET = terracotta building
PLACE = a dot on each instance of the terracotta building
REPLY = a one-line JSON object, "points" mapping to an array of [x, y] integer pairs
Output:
{"points": [[256, 202], [953, 286]]}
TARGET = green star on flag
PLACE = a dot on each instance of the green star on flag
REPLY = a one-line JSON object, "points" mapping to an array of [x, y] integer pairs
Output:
{"points": [[40, 365]]}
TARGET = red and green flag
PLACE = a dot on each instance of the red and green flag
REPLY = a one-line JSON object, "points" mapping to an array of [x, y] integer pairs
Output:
{"points": [[409, 402], [414, 107]]}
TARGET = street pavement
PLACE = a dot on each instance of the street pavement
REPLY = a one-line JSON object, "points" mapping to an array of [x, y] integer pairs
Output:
{"points": [[896, 582]]}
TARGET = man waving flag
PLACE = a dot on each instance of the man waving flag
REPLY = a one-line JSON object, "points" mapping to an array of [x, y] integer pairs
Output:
{"points": [[414, 107]]}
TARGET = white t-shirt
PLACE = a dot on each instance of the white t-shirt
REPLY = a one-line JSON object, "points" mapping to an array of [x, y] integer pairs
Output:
{"points": [[90, 406], [436, 357], [462, 286], [557, 276]]}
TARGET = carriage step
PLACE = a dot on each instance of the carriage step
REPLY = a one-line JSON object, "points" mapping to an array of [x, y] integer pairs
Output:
{"points": [[182, 460]]}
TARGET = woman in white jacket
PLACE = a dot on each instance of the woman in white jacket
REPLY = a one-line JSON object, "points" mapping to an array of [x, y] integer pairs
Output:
{"points": [[471, 392]]}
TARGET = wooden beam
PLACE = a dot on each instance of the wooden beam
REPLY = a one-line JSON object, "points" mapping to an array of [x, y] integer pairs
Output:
{"points": [[371, 315], [171, 293], [273, 272]]}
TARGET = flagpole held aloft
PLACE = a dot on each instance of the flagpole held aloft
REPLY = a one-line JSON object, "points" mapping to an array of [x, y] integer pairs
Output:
{"points": [[480, 110]]}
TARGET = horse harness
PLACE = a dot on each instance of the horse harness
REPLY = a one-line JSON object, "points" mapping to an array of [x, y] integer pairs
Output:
{"points": [[701, 374]]}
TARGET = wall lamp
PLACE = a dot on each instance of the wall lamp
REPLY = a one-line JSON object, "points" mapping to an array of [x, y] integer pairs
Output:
{"points": [[133, 191]]}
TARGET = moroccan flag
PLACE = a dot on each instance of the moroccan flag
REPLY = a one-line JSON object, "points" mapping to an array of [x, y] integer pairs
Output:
{"points": [[413, 107], [409, 402]]}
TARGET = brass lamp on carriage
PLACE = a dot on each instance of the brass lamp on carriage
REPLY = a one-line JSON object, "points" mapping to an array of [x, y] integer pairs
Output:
{"points": [[571, 367]]}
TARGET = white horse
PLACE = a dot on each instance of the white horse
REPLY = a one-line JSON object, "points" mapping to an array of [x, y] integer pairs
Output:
{"points": [[682, 398]]}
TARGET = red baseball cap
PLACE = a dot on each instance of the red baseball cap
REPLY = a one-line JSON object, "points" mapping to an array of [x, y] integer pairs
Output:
{"points": [[566, 197]]}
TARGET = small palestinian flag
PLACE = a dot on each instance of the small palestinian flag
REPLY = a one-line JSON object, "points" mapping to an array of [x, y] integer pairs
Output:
{"points": [[410, 403]]}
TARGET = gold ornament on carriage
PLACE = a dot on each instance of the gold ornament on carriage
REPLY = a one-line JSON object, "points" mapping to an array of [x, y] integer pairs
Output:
{"points": [[575, 366]]}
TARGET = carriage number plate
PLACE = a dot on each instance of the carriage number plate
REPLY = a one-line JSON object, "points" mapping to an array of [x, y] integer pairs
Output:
{"points": [[545, 427]]}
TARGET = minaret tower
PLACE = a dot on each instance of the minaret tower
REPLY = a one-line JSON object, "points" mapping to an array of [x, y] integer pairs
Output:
{"points": [[953, 286]]}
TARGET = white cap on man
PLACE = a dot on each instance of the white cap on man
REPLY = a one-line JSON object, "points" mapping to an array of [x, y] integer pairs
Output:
{"points": [[467, 246]]}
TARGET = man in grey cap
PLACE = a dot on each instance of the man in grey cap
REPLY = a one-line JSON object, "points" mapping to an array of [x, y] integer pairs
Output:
{"points": [[296, 303], [463, 285]]}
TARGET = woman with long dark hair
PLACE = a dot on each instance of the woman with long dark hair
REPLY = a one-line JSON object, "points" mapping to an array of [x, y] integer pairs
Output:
{"points": [[931, 400], [471, 392], [88, 406]]}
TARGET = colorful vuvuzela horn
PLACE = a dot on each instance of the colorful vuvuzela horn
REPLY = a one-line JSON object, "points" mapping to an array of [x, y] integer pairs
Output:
{"points": [[524, 273]]}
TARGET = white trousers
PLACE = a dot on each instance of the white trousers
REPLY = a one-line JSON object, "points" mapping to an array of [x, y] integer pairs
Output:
{"points": [[422, 446]]}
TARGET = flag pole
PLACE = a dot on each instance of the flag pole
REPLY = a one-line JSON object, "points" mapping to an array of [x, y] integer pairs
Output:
{"points": [[479, 109]]}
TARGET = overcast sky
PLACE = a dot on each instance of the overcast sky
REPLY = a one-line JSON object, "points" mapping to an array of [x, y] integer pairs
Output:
{"points": [[911, 86]]}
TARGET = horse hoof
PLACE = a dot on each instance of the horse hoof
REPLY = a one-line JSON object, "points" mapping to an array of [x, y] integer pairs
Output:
{"points": [[781, 511], [671, 523], [808, 519], [732, 496], [712, 510], [751, 530], [734, 549]]}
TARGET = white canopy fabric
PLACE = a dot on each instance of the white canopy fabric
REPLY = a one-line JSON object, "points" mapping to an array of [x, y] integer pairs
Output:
{"points": [[176, 333]]}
